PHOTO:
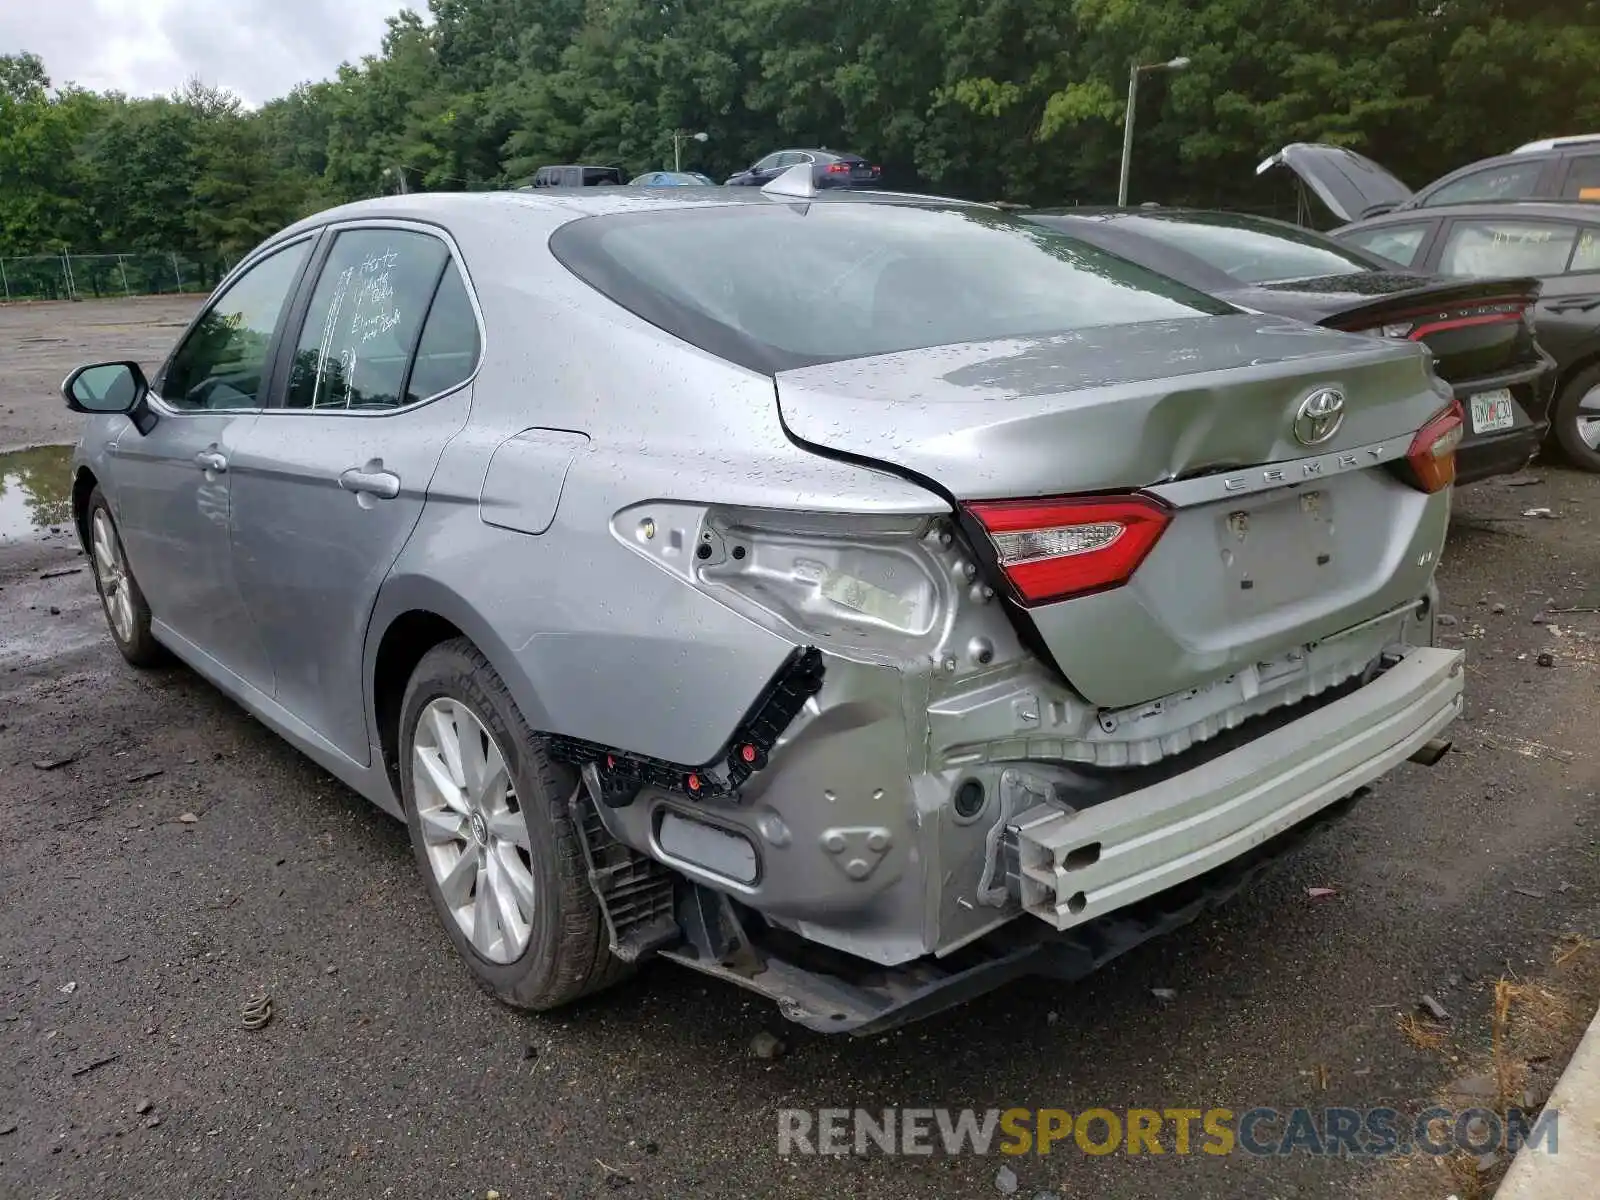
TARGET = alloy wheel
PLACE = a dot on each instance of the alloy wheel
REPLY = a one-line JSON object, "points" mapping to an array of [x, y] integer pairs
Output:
{"points": [[112, 573], [473, 829], [1588, 418]]}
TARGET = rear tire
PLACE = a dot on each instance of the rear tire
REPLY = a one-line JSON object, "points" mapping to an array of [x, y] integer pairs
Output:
{"points": [[121, 598], [1578, 430], [493, 836]]}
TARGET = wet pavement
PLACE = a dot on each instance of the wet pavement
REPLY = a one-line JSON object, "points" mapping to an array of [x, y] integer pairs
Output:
{"points": [[164, 858], [35, 492]]}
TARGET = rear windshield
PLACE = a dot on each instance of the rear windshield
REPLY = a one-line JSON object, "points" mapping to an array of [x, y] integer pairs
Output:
{"points": [[776, 286], [1250, 251]]}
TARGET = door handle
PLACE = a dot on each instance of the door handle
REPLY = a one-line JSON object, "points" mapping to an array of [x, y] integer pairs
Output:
{"points": [[1566, 306], [211, 460], [385, 485]]}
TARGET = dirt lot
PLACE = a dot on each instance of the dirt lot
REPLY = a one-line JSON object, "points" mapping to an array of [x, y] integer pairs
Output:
{"points": [[131, 935]]}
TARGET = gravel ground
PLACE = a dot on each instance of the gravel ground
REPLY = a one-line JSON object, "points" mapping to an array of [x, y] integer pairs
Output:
{"points": [[132, 933]]}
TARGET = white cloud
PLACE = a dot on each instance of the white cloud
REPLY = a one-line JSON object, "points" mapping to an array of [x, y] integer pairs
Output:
{"points": [[257, 48]]}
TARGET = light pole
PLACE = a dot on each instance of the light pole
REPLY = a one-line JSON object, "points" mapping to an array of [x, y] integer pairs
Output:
{"points": [[1176, 64], [678, 140]]}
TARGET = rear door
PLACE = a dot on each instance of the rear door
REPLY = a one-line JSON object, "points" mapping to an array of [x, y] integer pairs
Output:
{"points": [[1568, 319], [332, 480]]}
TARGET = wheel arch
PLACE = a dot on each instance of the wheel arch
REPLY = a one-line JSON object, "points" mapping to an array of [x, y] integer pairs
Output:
{"points": [[412, 616], [1590, 358]]}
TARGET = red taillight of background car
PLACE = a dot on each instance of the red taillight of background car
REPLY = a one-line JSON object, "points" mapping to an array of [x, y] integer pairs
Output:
{"points": [[1432, 456], [1053, 549], [838, 168]]}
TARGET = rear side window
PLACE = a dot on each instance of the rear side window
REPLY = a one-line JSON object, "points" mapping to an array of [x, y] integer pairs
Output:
{"points": [[364, 318], [1397, 243], [1583, 178], [1491, 247], [845, 280], [448, 351], [1586, 255], [1506, 181]]}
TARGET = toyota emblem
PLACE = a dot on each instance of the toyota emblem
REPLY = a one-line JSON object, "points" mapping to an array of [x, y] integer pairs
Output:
{"points": [[1321, 413]]}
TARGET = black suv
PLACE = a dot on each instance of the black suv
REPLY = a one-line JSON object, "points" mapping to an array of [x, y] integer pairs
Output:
{"points": [[569, 176]]}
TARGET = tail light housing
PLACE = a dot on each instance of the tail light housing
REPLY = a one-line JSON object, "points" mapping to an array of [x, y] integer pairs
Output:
{"points": [[838, 168], [1054, 549], [1432, 457]]}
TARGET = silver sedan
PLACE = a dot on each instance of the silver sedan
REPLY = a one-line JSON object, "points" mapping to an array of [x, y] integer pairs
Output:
{"points": [[862, 598]]}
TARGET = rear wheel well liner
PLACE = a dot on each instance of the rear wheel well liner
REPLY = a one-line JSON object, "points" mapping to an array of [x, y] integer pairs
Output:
{"points": [[409, 636]]}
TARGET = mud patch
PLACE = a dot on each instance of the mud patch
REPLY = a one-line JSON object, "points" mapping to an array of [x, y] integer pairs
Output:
{"points": [[35, 492]]}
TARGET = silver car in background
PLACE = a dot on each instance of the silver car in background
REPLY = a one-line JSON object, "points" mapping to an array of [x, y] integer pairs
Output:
{"points": [[863, 598]]}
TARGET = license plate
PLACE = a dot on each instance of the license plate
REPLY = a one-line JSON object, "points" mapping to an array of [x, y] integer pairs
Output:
{"points": [[1492, 410]]}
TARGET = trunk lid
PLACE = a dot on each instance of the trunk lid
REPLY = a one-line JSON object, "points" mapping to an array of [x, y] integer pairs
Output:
{"points": [[1271, 544], [1350, 184]]}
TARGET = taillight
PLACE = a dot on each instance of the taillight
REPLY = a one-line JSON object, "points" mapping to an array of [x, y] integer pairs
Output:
{"points": [[838, 168], [1054, 549], [1432, 456]]}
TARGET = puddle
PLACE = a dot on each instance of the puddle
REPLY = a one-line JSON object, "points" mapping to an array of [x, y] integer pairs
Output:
{"points": [[35, 492]]}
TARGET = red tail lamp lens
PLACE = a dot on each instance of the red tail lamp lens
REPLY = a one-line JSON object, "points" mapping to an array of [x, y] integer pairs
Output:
{"points": [[1055, 549]]}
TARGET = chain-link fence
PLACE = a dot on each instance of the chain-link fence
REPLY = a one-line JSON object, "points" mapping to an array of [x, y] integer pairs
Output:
{"points": [[68, 276]]}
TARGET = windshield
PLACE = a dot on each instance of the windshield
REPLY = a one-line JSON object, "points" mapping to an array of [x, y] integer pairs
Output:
{"points": [[776, 286], [1250, 250]]}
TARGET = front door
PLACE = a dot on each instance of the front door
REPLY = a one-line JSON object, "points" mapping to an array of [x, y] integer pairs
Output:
{"points": [[331, 482], [173, 485]]}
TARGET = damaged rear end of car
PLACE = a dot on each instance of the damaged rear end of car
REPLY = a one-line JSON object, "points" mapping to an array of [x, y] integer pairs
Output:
{"points": [[1168, 603]]}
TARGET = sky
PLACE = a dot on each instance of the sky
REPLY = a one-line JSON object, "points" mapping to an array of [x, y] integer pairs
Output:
{"points": [[258, 49]]}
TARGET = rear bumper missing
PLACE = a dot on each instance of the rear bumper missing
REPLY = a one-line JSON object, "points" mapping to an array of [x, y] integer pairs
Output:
{"points": [[1076, 866]]}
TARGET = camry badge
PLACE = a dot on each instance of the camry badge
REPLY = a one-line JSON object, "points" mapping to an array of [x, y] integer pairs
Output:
{"points": [[1321, 413]]}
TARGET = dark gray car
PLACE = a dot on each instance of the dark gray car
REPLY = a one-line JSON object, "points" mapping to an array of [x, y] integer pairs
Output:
{"points": [[913, 613]]}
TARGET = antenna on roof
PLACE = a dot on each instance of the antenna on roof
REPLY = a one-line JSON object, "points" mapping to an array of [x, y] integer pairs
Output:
{"points": [[796, 183]]}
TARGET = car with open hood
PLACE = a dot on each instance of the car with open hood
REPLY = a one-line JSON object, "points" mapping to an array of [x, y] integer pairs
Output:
{"points": [[1353, 186], [948, 600], [1478, 331]]}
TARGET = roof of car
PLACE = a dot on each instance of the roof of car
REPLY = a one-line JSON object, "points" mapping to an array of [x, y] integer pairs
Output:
{"points": [[574, 203], [1569, 210], [1557, 143]]}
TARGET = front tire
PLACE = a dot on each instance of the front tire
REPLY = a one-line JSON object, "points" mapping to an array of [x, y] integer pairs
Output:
{"points": [[493, 836], [1576, 419], [121, 598]]}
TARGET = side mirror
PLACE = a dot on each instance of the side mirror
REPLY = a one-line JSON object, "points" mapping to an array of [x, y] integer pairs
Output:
{"points": [[113, 387]]}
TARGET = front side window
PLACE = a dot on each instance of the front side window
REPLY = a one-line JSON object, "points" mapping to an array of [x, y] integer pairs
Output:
{"points": [[767, 163], [222, 364], [1397, 243], [1583, 178], [844, 280], [370, 301], [1491, 247], [1507, 181]]}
